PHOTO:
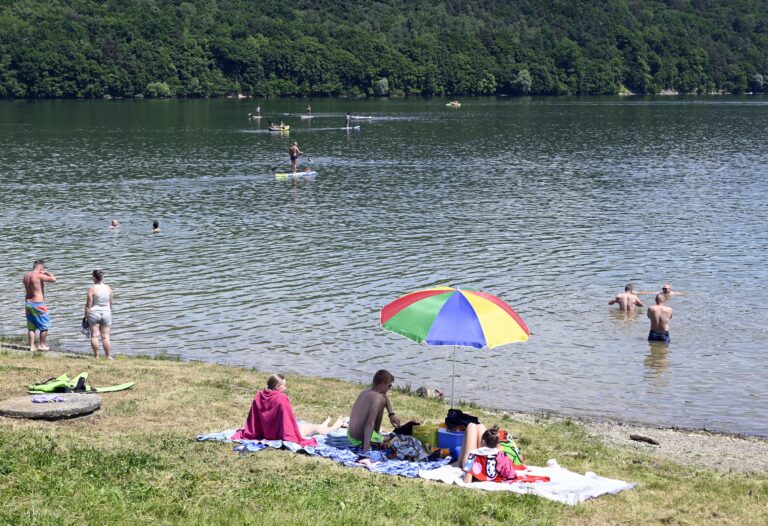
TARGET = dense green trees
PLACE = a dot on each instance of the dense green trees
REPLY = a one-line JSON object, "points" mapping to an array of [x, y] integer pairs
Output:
{"points": [[158, 48]]}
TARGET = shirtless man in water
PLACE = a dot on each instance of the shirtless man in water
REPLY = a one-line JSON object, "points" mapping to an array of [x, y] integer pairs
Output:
{"points": [[627, 299], [38, 318], [368, 411], [294, 152], [659, 315]]}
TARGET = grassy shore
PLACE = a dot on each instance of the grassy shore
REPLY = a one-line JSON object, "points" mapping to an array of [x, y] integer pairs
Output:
{"points": [[136, 461]]}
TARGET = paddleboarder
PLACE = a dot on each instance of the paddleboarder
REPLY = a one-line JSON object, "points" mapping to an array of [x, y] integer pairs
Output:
{"points": [[294, 152]]}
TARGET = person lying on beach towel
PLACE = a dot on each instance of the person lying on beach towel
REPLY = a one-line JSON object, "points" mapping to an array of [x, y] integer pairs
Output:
{"points": [[271, 418]]}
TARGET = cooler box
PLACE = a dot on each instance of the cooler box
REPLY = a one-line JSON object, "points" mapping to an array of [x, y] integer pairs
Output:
{"points": [[427, 435], [450, 440]]}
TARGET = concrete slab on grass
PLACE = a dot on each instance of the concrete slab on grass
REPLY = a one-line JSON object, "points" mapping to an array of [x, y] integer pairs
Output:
{"points": [[74, 405]]}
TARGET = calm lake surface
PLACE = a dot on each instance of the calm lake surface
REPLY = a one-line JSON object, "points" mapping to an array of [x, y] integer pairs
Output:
{"points": [[551, 204]]}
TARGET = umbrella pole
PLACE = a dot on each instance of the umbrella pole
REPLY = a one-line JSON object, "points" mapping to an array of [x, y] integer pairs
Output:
{"points": [[453, 375]]}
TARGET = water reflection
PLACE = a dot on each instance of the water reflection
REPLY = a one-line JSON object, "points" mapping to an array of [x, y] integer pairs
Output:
{"points": [[657, 360]]}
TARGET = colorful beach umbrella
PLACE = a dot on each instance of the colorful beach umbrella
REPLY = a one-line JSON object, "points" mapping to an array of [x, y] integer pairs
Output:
{"points": [[450, 316]]}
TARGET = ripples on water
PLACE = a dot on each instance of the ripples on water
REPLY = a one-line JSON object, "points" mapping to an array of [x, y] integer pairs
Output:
{"points": [[551, 204]]}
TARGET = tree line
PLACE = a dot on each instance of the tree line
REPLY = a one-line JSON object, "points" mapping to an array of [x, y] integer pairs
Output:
{"points": [[203, 48]]}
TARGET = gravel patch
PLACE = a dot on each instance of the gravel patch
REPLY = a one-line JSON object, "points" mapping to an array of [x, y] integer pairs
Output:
{"points": [[690, 447]]}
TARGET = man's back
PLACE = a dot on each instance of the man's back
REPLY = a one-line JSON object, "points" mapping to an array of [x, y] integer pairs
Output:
{"points": [[33, 284], [659, 316], [627, 301], [367, 402]]}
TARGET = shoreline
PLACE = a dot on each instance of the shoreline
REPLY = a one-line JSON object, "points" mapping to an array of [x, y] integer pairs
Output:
{"points": [[717, 450]]}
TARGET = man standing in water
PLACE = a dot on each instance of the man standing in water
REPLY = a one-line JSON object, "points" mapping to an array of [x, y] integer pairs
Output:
{"points": [[627, 299], [368, 411], [38, 318], [294, 152], [659, 315]]}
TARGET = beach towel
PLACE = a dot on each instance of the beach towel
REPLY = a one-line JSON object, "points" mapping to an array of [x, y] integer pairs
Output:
{"points": [[336, 447], [552, 482], [271, 418], [563, 486], [38, 317]]}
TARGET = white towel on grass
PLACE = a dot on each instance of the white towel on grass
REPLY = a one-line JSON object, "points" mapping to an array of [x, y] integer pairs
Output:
{"points": [[564, 486]]}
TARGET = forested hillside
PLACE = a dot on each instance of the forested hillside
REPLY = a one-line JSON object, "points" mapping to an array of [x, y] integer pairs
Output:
{"points": [[194, 48]]}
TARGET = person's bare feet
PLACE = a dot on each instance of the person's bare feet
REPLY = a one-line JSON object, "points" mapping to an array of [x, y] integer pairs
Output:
{"points": [[336, 425], [43, 348], [32, 348]]}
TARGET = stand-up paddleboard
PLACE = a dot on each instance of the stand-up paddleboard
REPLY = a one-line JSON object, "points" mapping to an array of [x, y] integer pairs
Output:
{"points": [[350, 128], [311, 173], [307, 116], [360, 117], [254, 116]]}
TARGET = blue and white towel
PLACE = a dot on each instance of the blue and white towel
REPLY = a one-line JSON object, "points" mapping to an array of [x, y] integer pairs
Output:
{"points": [[336, 447]]}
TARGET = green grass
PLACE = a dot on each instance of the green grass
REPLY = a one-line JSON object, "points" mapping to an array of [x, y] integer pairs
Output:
{"points": [[136, 462]]}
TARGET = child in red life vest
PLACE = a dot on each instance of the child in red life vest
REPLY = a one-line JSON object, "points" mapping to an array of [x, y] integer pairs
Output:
{"points": [[487, 463]]}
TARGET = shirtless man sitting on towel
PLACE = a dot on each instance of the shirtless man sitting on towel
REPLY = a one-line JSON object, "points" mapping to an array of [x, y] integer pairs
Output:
{"points": [[368, 411]]}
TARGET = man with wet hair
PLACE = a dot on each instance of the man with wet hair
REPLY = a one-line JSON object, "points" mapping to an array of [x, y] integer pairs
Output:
{"points": [[659, 315], [38, 318], [626, 300], [368, 411]]}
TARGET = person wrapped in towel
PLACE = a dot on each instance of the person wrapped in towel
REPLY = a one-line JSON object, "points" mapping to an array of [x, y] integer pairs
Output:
{"points": [[271, 418]]}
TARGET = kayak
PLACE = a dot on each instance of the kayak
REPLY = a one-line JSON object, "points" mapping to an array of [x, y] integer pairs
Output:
{"points": [[280, 128], [311, 173]]}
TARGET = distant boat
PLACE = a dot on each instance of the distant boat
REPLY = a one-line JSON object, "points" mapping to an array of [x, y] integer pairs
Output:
{"points": [[454, 104], [279, 128]]}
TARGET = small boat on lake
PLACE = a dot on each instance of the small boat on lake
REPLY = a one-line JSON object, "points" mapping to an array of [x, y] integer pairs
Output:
{"points": [[454, 104], [279, 128]]}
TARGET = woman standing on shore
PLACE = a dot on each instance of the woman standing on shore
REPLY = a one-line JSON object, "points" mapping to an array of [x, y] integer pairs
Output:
{"points": [[98, 310]]}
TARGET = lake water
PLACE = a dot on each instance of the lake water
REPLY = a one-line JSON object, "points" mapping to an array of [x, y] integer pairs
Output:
{"points": [[551, 204]]}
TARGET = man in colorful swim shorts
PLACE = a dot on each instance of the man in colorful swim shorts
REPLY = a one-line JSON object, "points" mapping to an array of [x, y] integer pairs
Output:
{"points": [[36, 311], [659, 315], [368, 411]]}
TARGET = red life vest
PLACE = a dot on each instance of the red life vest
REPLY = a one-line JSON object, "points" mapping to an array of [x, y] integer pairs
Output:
{"points": [[481, 463]]}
